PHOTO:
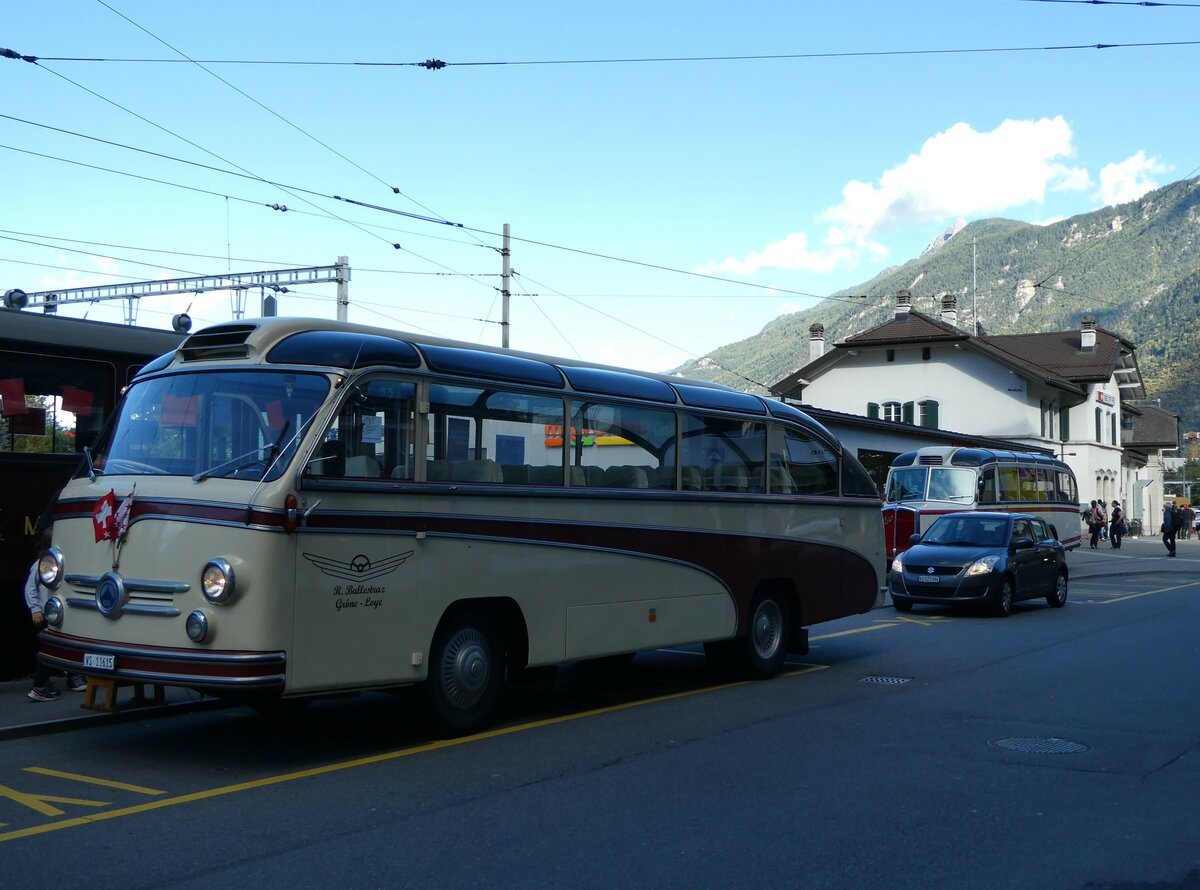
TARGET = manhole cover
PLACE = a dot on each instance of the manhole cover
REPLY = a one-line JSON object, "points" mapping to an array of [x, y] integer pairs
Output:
{"points": [[1040, 746], [886, 681]]}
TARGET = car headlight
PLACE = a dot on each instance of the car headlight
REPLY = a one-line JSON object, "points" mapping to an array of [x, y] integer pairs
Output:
{"points": [[217, 581], [897, 565], [53, 612], [50, 568], [982, 566]]}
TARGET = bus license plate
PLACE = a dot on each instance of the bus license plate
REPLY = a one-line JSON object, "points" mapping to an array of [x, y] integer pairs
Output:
{"points": [[102, 662]]}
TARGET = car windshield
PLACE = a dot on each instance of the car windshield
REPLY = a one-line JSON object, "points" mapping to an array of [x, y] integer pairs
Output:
{"points": [[968, 530], [235, 424]]}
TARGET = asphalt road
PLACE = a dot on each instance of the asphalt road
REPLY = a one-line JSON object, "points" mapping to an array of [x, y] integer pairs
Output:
{"points": [[1054, 748]]}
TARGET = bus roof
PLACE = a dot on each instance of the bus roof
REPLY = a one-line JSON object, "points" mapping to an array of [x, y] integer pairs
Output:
{"points": [[320, 342]]}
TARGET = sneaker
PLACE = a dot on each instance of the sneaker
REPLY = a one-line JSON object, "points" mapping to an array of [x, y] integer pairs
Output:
{"points": [[47, 693], [77, 682]]}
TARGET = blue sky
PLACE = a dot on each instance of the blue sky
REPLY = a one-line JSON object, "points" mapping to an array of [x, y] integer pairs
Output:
{"points": [[659, 209]]}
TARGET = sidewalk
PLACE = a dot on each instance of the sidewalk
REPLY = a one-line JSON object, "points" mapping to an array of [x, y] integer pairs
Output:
{"points": [[20, 717], [1137, 556]]}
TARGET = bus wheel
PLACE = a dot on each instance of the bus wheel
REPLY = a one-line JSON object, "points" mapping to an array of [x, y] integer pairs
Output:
{"points": [[1002, 604], [761, 652], [466, 673]]}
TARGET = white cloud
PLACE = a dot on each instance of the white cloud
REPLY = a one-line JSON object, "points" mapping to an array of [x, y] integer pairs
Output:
{"points": [[962, 172], [791, 253], [1130, 179], [959, 172]]}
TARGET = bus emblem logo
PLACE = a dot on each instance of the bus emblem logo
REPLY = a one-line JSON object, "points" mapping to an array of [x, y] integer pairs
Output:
{"points": [[110, 595], [360, 568]]}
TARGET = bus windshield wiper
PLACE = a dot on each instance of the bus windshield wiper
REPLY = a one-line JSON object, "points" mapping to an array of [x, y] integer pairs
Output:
{"points": [[236, 463]]}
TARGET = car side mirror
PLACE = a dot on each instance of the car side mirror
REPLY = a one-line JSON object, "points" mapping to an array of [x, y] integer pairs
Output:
{"points": [[914, 539], [1022, 544]]}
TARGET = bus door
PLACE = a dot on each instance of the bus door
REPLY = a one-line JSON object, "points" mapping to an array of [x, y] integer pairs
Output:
{"points": [[355, 563]]}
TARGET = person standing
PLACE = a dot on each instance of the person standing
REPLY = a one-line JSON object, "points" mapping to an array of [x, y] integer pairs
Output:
{"points": [[1093, 523], [1168, 528], [35, 598], [1116, 525]]}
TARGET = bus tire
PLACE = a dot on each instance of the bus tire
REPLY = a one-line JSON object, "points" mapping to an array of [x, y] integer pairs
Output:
{"points": [[466, 673], [762, 650]]}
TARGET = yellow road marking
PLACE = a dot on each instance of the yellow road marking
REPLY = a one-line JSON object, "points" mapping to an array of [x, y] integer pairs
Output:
{"points": [[1133, 596], [212, 793], [91, 780], [41, 802], [854, 630]]}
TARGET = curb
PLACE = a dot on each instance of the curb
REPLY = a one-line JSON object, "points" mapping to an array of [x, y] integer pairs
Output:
{"points": [[124, 715]]}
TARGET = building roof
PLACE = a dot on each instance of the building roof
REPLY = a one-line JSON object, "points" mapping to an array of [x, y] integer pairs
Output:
{"points": [[1055, 359], [1153, 429]]}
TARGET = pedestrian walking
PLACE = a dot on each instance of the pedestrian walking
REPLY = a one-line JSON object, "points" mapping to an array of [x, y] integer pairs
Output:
{"points": [[1116, 525], [1169, 527], [1103, 510]]}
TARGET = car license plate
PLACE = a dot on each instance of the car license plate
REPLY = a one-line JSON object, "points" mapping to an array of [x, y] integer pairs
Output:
{"points": [[102, 662], [928, 579]]}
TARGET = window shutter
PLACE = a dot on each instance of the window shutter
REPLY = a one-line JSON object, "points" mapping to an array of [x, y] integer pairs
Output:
{"points": [[930, 415], [906, 412], [1064, 424], [873, 410]]}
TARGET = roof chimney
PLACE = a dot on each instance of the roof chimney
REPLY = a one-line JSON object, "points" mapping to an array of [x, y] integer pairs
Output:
{"points": [[950, 309], [816, 341], [903, 304], [1087, 334]]}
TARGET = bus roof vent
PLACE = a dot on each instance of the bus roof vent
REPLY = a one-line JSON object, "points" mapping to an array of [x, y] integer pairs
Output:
{"points": [[219, 341], [930, 460]]}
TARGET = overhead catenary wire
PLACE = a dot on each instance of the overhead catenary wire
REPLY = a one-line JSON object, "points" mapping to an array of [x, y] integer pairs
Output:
{"points": [[439, 64]]}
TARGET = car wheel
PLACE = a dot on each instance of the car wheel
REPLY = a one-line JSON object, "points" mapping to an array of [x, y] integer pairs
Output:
{"points": [[466, 673], [1058, 599], [1002, 604], [901, 605]]}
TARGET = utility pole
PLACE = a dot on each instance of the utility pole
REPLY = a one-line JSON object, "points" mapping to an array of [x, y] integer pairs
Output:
{"points": [[343, 282], [504, 292], [974, 291]]}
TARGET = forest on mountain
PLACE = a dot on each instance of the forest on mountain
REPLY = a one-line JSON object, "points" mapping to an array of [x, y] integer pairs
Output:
{"points": [[1134, 266]]}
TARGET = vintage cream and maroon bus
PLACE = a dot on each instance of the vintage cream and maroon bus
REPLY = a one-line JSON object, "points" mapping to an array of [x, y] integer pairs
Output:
{"points": [[307, 507], [923, 484]]}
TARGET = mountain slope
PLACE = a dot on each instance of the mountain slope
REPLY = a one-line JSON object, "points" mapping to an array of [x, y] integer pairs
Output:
{"points": [[1135, 267]]}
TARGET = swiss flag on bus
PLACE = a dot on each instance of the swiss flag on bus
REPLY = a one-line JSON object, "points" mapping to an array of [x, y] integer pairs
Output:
{"points": [[104, 519]]}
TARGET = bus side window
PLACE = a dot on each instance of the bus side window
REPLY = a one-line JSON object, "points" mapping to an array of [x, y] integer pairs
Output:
{"points": [[726, 455], [1010, 490], [809, 467], [987, 486]]}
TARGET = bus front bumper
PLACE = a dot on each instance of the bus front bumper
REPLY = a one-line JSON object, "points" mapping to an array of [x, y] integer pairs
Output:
{"points": [[193, 668]]}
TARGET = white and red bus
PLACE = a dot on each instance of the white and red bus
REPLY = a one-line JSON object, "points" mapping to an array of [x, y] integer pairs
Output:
{"points": [[926, 483], [310, 507]]}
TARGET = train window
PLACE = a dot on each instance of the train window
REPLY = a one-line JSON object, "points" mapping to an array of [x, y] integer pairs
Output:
{"points": [[52, 406]]}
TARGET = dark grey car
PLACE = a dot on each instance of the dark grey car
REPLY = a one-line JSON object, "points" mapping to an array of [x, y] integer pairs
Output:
{"points": [[992, 559]]}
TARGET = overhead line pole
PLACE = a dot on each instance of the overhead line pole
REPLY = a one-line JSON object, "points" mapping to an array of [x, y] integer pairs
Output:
{"points": [[504, 291]]}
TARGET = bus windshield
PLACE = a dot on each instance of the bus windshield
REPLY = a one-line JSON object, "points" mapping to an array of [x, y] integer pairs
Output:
{"points": [[240, 425], [945, 484]]}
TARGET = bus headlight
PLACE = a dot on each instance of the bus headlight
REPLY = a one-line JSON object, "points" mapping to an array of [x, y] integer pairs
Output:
{"points": [[53, 612], [197, 627], [217, 581], [50, 568]]}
